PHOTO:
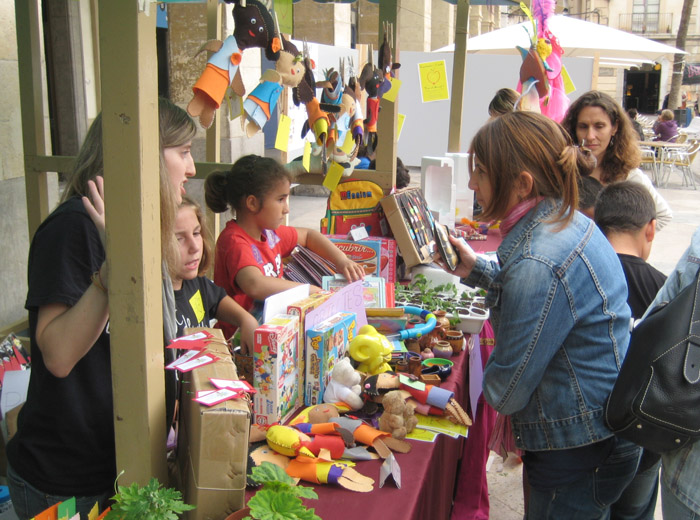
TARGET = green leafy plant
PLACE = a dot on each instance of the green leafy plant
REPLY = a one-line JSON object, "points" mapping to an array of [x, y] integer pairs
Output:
{"points": [[151, 501], [280, 497]]}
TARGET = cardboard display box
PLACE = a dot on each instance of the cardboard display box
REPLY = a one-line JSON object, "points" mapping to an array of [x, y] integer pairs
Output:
{"points": [[409, 220], [326, 343], [212, 441], [300, 309], [277, 376], [376, 255]]}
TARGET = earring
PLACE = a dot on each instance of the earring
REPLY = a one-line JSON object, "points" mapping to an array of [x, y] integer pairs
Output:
{"points": [[612, 140]]}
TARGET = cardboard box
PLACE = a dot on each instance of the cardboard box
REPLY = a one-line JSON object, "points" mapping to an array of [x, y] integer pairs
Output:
{"points": [[413, 251], [212, 441], [300, 309], [277, 376], [326, 343], [376, 255]]}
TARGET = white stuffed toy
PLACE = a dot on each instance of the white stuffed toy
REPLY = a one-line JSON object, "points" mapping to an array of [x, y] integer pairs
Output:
{"points": [[344, 385]]}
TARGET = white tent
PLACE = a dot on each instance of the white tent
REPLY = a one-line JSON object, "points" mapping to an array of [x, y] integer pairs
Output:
{"points": [[578, 38]]}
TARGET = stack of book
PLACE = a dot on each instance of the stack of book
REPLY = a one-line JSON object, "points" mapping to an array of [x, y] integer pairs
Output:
{"points": [[305, 266]]}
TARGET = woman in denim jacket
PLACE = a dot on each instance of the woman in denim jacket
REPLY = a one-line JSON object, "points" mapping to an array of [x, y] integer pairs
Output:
{"points": [[680, 469], [558, 305]]}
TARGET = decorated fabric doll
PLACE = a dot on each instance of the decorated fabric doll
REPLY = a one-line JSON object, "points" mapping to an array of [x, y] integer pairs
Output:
{"points": [[370, 80], [254, 27], [261, 102], [386, 59]]}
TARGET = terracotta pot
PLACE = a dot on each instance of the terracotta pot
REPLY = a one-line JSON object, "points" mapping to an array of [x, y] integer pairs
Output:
{"points": [[456, 339], [239, 515], [442, 319], [442, 349], [412, 345]]}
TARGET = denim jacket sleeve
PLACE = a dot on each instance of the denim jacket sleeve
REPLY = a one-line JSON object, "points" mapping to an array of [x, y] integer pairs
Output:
{"points": [[483, 273], [535, 319]]}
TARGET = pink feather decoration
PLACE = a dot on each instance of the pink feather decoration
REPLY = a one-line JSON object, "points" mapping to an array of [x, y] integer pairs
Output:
{"points": [[541, 11]]}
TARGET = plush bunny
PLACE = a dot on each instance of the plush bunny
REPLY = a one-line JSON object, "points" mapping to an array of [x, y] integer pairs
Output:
{"points": [[254, 27], [344, 385]]}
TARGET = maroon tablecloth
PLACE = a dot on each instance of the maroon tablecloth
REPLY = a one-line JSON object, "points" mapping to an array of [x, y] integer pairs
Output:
{"points": [[428, 476]]}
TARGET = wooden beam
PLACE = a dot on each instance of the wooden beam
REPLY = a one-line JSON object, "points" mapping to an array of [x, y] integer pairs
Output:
{"points": [[131, 166], [388, 111], [31, 90], [213, 142], [459, 77]]}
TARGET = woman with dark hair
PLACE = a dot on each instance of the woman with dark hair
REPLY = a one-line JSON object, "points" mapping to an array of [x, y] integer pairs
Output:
{"points": [[597, 122], [557, 297]]}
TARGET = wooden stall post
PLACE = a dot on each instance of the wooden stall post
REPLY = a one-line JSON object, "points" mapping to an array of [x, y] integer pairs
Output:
{"points": [[131, 166], [459, 77]]}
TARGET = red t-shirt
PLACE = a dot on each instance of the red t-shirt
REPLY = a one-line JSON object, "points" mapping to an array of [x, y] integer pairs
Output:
{"points": [[235, 249]]}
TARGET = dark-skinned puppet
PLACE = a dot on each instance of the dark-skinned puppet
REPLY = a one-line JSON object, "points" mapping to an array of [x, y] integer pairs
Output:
{"points": [[254, 27]]}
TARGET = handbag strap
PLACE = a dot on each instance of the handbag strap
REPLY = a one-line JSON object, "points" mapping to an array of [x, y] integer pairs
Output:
{"points": [[691, 367]]}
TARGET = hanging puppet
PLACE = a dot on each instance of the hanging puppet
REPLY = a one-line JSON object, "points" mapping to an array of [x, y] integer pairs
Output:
{"points": [[254, 27], [261, 102], [386, 59], [371, 78], [541, 81]]}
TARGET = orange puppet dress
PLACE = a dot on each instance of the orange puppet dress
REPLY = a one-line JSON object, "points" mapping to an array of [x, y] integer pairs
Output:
{"points": [[219, 72]]}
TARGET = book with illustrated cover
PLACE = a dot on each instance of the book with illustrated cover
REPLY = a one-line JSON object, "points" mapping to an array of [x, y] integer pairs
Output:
{"points": [[373, 288]]}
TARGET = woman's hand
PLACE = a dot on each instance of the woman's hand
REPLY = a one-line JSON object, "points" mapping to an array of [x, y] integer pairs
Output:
{"points": [[248, 325], [95, 206], [467, 258], [350, 270]]}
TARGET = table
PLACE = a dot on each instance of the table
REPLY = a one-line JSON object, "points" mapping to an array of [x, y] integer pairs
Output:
{"points": [[428, 475]]}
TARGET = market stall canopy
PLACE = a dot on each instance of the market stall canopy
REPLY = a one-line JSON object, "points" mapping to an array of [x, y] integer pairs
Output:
{"points": [[578, 38]]}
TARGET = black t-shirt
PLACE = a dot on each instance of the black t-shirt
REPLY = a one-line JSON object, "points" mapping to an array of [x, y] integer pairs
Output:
{"points": [[643, 282], [196, 303], [64, 443]]}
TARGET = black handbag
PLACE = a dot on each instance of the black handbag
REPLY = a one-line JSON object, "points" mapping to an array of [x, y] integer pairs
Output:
{"points": [[655, 402]]}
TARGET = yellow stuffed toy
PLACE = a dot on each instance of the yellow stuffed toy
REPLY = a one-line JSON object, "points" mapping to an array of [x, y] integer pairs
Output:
{"points": [[371, 350]]}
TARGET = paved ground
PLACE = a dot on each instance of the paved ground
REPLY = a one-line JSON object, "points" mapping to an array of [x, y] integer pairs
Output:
{"points": [[504, 478]]}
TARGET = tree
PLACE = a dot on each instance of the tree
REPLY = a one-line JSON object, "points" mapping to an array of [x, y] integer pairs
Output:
{"points": [[674, 98]]}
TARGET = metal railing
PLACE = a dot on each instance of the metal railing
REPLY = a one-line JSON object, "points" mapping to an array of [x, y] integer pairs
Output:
{"points": [[646, 23]]}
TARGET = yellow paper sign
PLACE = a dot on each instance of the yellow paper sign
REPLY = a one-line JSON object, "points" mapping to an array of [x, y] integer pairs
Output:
{"points": [[569, 86], [197, 306], [283, 129], [401, 119], [391, 94], [335, 172], [433, 81], [349, 143], [306, 158]]}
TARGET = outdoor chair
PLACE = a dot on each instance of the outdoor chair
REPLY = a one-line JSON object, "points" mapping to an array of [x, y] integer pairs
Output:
{"points": [[679, 159], [693, 129]]}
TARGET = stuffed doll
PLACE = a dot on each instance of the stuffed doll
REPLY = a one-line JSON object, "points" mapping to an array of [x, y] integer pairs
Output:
{"points": [[351, 98], [288, 72], [429, 399], [398, 417], [254, 27], [344, 385], [386, 59], [370, 79]]}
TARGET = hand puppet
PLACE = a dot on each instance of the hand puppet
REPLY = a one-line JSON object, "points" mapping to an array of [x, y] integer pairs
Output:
{"points": [[386, 59], [261, 102], [254, 27], [370, 79]]}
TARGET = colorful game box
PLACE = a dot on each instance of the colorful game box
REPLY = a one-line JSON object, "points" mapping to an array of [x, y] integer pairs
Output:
{"points": [[325, 344], [277, 376], [376, 255], [300, 309]]}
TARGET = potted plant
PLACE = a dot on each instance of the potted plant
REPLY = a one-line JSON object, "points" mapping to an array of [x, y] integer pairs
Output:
{"points": [[279, 498], [152, 501]]}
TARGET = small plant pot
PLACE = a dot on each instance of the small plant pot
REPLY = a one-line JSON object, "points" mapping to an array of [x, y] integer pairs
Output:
{"points": [[442, 319], [426, 353], [239, 515], [412, 345], [456, 340]]}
